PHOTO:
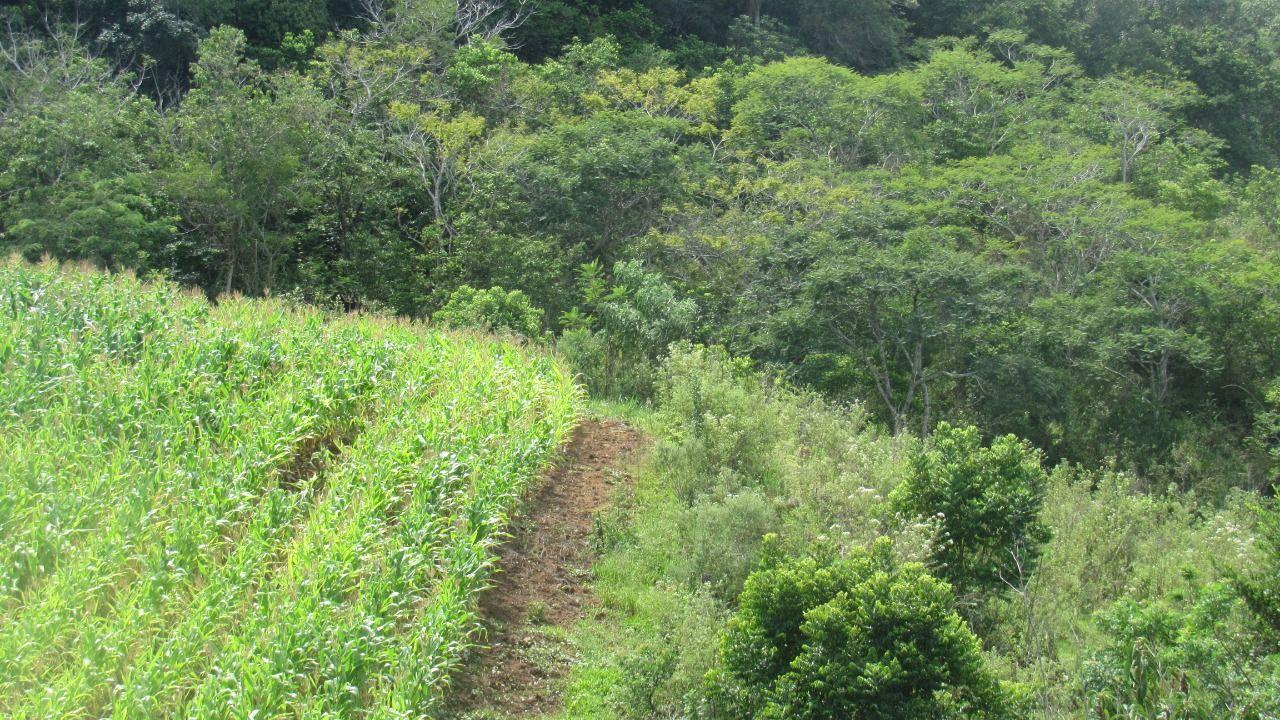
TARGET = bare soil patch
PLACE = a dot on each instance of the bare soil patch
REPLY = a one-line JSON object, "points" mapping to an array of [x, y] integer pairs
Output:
{"points": [[543, 587]]}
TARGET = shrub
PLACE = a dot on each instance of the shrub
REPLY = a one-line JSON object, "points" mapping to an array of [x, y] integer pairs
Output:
{"points": [[495, 310], [858, 637], [623, 328], [1186, 659], [987, 500], [1266, 430], [1261, 588], [719, 537], [723, 423]]}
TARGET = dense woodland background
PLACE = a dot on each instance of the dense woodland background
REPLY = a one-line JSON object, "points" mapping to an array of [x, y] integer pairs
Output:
{"points": [[1056, 219]]}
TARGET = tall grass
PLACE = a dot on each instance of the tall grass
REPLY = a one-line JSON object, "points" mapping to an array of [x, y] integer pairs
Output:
{"points": [[249, 509]]}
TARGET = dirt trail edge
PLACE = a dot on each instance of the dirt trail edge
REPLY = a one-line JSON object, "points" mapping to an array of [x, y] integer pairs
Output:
{"points": [[543, 587]]}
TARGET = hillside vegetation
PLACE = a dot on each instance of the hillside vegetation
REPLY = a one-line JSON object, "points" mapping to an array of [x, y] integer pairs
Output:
{"points": [[1062, 225], [955, 323], [247, 509], [770, 563]]}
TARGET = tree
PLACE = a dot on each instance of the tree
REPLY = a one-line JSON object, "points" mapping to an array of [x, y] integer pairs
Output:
{"points": [[864, 35], [241, 145], [439, 146], [157, 43], [987, 502], [810, 108], [899, 318], [867, 35], [1137, 112], [598, 182], [75, 146], [977, 104], [1266, 426], [623, 327], [860, 637]]}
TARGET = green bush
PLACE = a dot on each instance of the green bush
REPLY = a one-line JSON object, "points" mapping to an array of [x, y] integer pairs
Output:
{"points": [[858, 637], [495, 310], [721, 420], [1266, 429], [1173, 658], [1261, 588], [622, 329], [719, 537], [987, 501]]}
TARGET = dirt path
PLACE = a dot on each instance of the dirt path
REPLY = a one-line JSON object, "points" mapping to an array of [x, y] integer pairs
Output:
{"points": [[542, 589]]}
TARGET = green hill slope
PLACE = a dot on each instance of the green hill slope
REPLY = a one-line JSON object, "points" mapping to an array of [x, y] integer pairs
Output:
{"points": [[248, 509]]}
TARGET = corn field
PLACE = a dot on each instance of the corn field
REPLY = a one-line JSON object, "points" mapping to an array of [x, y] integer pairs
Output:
{"points": [[249, 509]]}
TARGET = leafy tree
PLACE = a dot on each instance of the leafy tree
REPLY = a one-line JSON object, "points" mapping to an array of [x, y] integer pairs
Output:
{"points": [[479, 73], [987, 502], [439, 146], [157, 41], [75, 177], [807, 107], [114, 223], [978, 104], [855, 637], [1223, 47], [598, 181], [764, 38], [560, 23], [799, 106], [901, 319], [241, 147], [623, 328], [1136, 113], [866, 35]]}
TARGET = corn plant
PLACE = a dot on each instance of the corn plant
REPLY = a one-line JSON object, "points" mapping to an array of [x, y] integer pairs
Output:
{"points": [[250, 509]]}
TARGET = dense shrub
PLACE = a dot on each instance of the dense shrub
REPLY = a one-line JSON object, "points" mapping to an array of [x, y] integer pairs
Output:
{"points": [[719, 417], [621, 330], [1191, 659], [987, 502], [860, 637], [495, 310], [1260, 587]]}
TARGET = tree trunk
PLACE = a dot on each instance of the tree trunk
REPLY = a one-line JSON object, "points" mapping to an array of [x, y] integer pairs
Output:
{"points": [[231, 273]]}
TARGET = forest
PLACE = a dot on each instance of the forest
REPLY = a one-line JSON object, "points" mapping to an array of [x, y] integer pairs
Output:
{"points": [[956, 323]]}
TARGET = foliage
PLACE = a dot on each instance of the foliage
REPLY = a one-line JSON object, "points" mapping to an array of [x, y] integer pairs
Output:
{"points": [[623, 328], [220, 510], [856, 637], [1266, 430], [1260, 586], [987, 501], [812, 233], [1110, 547], [740, 457], [736, 458], [237, 175], [1188, 659], [988, 233], [495, 310]]}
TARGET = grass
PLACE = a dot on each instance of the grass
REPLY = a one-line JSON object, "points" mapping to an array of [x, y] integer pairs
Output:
{"points": [[249, 509]]}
